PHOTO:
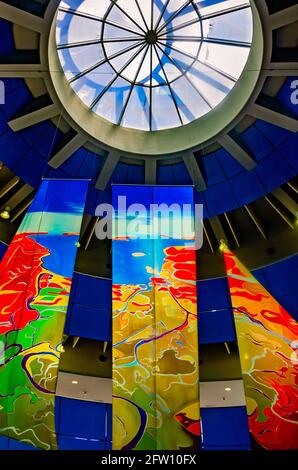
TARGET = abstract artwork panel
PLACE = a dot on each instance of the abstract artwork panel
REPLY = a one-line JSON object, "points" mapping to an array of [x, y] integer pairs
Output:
{"points": [[267, 338], [35, 281], [155, 332]]}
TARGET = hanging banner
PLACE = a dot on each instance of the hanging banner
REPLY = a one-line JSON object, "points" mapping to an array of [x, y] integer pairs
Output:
{"points": [[267, 338], [35, 281], [155, 330]]}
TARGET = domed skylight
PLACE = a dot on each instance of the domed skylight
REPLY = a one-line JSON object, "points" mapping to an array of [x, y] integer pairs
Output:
{"points": [[153, 64]]}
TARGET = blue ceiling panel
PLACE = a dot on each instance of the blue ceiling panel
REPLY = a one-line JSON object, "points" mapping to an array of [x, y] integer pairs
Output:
{"points": [[165, 174], [257, 143], [32, 168], [49, 141], [266, 171], [6, 37], [13, 149], [34, 134], [274, 134], [220, 198], [136, 174], [212, 170], [289, 150], [181, 175], [15, 100], [229, 165], [247, 187], [120, 174]]}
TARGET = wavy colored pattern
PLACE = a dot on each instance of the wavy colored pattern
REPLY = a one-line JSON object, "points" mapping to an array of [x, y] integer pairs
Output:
{"points": [[155, 338], [267, 337], [35, 282]]}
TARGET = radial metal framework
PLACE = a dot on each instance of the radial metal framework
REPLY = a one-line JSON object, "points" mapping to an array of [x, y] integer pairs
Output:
{"points": [[153, 65]]}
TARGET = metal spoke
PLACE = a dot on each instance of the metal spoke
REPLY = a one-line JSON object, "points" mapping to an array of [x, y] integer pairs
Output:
{"points": [[173, 16], [98, 19], [132, 86], [184, 74], [103, 61], [114, 2], [161, 14], [142, 14], [95, 41], [118, 74], [169, 86], [151, 74], [226, 42], [206, 64]]}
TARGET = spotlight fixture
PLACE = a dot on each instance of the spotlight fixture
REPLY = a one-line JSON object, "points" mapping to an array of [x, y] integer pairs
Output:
{"points": [[222, 246], [228, 389], [75, 382], [5, 214]]}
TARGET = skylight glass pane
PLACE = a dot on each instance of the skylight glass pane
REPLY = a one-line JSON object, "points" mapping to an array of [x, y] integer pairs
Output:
{"points": [[112, 53]]}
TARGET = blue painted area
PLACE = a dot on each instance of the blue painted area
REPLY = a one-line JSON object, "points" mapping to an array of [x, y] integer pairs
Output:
{"points": [[225, 429], [3, 249], [80, 425]]}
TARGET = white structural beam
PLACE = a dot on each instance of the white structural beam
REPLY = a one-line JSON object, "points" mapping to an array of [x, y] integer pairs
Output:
{"points": [[280, 69], [67, 151], [273, 117], [286, 201], [237, 152], [194, 171], [22, 71], [107, 170], [284, 17], [21, 17], [30, 119], [150, 170]]}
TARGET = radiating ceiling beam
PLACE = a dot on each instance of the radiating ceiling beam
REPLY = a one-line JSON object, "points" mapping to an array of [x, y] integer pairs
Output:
{"points": [[11, 184], [34, 117], [286, 201], [232, 228], [255, 220], [21, 17], [292, 185], [284, 17], [281, 213], [107, 171], [91, 230], [67, 151], [282, 69], [273, 117], [19, 196], [150, 170], [208, 238], [21, 209], [21, 71], [218, 229], [194, 171], [237, 152]]}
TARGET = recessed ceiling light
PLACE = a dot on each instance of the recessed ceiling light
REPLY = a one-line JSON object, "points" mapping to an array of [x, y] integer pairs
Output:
{"points": [[228, 389], [75, 382]]}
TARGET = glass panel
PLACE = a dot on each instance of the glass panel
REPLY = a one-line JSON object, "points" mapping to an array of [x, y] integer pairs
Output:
{"points": [[137, 114], [154, 43]]}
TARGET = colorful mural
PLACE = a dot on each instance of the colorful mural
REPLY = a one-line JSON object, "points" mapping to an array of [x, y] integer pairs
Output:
{"points": [[267, 338], [155, 334], [35, 282]]}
